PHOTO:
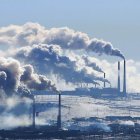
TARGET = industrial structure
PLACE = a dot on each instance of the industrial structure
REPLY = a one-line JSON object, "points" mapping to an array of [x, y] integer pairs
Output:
{"points": [[108, 92], [46, 132], [104, 91], [34, 113], [124, 78], [119, 88]]}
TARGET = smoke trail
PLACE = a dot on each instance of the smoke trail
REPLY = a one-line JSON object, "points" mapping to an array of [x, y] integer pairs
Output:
{"points": [[35, 81], [102, 47], [92, 76], [92, 64], [33, 33], [49, 59], [70, 39]]}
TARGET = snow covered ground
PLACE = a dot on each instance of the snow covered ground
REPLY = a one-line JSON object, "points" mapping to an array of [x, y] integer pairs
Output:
{"points": [[83, 108], [78, 112]]}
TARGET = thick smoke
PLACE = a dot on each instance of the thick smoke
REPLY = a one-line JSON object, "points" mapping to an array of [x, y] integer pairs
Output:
{"points": [[92, 76], [92, 64], [45, 59], [10, 72], [101, 47], [3, 77], [35, 81], [49, 59], [13, 76], [33, 33], [16, 81]]}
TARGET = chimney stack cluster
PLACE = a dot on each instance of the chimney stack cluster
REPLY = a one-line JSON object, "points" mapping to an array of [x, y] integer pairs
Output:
{"points": [[119, 81]]}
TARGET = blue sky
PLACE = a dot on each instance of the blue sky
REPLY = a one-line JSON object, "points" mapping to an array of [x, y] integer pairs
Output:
{"points": [[117, 21]]}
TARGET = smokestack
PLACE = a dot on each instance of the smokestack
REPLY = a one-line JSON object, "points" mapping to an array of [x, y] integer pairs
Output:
{"points": [[33, 123], [104, 79], [95, 85], [119, 76], [59, 113], [124, 78]]}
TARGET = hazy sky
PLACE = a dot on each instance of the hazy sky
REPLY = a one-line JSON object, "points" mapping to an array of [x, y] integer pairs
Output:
{"points": [[117, 21]]}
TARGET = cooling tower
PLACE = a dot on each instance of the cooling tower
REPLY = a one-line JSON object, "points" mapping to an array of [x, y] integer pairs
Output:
{"points": [[119, 76], [124, 78]]}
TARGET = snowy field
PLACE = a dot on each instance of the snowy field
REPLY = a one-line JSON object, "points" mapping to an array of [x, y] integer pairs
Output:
{"points": [[77, 111]]}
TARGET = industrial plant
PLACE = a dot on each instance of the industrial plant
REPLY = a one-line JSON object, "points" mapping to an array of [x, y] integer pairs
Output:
{"points": [[97, 90], [53, 87], [57, 130]]}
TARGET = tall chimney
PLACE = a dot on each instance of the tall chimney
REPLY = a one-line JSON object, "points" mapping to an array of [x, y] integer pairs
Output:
{"points": [[59, 113], [119, 76], [124, 78], [33, 123], [104, 79], [95, 85]]}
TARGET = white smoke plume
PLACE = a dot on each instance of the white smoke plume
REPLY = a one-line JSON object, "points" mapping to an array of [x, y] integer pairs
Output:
{"points": [[35, 81], [132, 73], [90, 63], [14, 111], [13, 75], [34, 33], [50, 59], [101, 47], [10, 121], [88, 66], [10, 72]]}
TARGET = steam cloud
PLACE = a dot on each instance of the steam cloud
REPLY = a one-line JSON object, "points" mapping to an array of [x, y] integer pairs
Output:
{"points": [[16, 81], [34, 33], [13, 76], [46, 58], [10, 72], [35, 81], [50, 59], [92, 64]]}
